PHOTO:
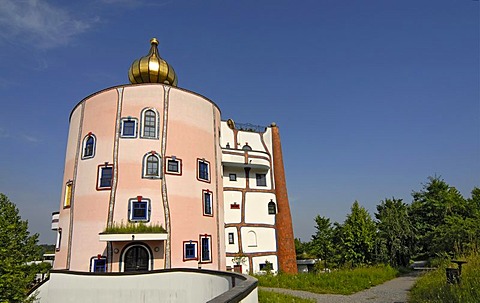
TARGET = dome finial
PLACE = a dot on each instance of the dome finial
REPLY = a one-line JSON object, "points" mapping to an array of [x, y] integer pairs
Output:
{"points": [[152, 68]]}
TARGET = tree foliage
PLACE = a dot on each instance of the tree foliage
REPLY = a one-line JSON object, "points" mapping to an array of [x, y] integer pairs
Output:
{"points": [[322, 241], [438, 222], [395, 232], [17, 247], [358, 236]]}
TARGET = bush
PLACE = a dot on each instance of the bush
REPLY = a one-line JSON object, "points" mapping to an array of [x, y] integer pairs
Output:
{"points": [[433, 287]]}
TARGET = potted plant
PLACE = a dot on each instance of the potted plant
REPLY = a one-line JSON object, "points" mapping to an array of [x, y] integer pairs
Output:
{"points": [[238, 262]]}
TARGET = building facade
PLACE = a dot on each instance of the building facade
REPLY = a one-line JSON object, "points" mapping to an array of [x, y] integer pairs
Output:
{"points": [[155, 179]]}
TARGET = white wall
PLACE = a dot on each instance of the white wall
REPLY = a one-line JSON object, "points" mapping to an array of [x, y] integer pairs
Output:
{"points": [[256, 208], [232, 215], [261, 260], [231, 248], [153, 287], [266, 240]]}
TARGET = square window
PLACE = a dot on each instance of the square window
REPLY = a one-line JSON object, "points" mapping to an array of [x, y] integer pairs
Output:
{"points": [[261, 180], [206, 254], [105, 174], [233, 177], [99, 264], [174, 165], [207, 203], [190, 250], [203, 170], [231, 239], [139, 210], [129, 128]]}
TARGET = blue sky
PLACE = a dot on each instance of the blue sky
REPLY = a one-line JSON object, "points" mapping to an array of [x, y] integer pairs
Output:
{"points": [[371, 97]]}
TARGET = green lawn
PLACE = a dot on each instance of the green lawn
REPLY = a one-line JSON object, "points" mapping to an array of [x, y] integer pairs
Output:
{"points": [[272, 297], [345, 281], [433, 288]]}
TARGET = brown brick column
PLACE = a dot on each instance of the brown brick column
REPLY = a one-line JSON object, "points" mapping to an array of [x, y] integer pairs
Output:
{"points": [[287, 261]]}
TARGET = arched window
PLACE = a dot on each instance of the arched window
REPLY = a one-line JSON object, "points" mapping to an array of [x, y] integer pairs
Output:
{"points": [[149, 121], [88, 146], [252, 239], [272, 209], [152, 165], [247, 147]]}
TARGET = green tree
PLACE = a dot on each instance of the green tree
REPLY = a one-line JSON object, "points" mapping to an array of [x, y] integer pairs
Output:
{"points": [[437, 212], [17, 247], [321, 244], [395, 232], [358, 235]]}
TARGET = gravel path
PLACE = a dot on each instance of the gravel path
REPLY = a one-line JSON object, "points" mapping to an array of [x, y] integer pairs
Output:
{"points": [[393, 291]]}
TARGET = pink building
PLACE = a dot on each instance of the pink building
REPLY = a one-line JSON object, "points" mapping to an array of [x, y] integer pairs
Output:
{"points": [[155, 179]]}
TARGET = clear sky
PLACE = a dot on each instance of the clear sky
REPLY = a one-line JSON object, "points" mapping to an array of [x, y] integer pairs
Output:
{"points": [[371, 96]]}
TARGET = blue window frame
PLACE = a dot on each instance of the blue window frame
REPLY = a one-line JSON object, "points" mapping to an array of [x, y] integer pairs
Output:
{"points": [[99, 265], [206, 253], [105, 177], [129, 128], [190, 250], [203, 170], [139, 210], [207, 203]]}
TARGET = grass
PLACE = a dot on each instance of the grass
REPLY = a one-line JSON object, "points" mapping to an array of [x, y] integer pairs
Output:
{"points": [[433, 288], [130, 228], [273, 297], [345, 281]]}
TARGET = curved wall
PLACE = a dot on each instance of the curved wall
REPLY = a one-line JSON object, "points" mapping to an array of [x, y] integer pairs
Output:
{"points": [[187, 129]]}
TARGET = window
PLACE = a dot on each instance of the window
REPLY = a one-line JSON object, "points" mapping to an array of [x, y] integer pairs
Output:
{"points": [[246, 147], [59, 239], [98, 264], [232, 177], [272, 209], [252, 239], [206, 253], [207, 203], [139, 210], [149, 118], [203, 170], [105, 174], [88, 146], [152, 165], [190, 250], [231, 239], [129, 128], [68, 194], [267, 266], [174, 165], [261, 180]]}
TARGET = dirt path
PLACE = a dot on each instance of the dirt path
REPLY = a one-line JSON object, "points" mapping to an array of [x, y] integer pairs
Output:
{"points": [[393, 291]]}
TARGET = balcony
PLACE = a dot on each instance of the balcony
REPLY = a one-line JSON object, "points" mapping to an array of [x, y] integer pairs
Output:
{"points": [[55, 217], [236, 158]]}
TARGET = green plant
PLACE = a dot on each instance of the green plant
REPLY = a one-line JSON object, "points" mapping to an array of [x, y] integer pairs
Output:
{"points": [[273, 297], [433, 287], [130, 228], [344, 281], [239, 260]]}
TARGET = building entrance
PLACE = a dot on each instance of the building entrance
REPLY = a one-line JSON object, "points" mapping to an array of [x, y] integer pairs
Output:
{"points": [[136, 259]]}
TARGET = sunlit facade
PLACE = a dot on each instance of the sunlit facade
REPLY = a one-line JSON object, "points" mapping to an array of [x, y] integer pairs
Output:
{"points": [[155, 179]]}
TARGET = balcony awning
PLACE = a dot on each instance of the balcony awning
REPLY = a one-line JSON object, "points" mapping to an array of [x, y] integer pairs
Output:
{"points": [[132, 237]]}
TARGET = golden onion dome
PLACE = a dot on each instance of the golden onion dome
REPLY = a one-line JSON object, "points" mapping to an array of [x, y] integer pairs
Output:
{"points": [[152, 69]]}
